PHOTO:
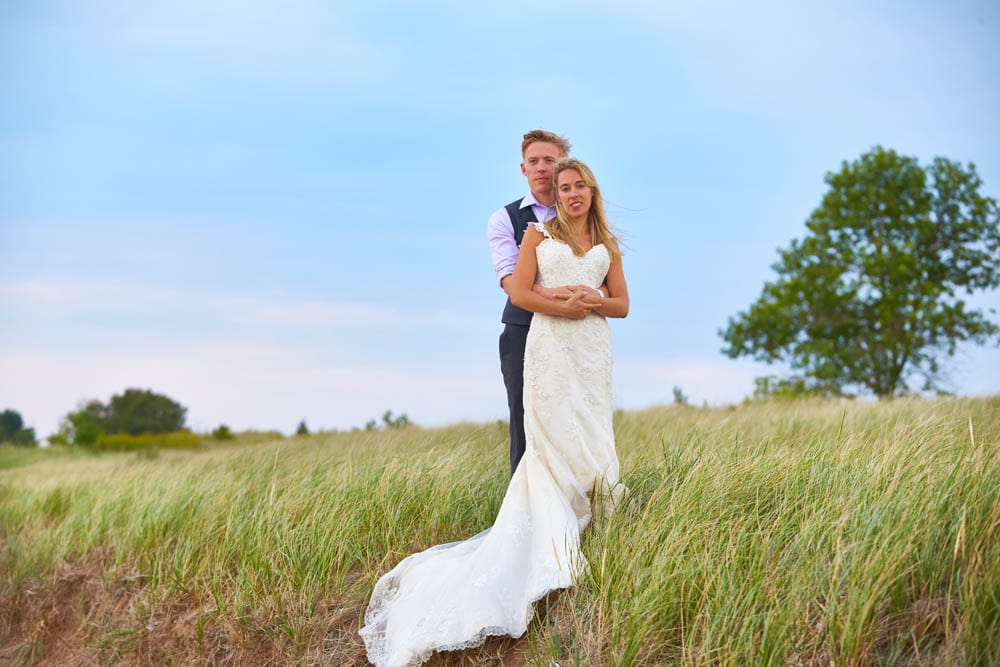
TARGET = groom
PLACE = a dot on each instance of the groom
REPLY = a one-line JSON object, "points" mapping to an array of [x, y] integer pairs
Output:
{"points": [[540, 151]]}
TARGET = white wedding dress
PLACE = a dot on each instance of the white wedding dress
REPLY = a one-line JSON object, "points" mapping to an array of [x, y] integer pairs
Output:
{"points": [[453, 596]]}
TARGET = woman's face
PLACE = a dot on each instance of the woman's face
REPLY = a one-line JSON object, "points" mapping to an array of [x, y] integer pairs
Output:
{"points": [[574, 193]]}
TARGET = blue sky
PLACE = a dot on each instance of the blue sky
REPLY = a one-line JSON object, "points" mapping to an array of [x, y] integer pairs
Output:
{"points": [[275, 211]]}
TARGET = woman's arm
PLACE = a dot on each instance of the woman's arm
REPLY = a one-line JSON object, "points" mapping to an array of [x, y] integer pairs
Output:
{"points": [[616, 303], [521, 281]]}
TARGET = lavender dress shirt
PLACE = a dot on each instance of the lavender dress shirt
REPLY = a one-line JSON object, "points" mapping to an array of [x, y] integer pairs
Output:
{"points": [[500, 232]]}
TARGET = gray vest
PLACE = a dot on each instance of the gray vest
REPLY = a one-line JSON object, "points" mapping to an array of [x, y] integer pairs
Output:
{"points": [[520, 218]]}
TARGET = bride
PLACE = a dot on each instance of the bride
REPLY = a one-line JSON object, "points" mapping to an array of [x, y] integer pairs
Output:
{"points": [[453, 596]]}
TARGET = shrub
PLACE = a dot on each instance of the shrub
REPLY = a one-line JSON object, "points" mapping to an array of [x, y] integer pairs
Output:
{"points": [[24, 438], [401, 421], [82, 427], [127, 442]]}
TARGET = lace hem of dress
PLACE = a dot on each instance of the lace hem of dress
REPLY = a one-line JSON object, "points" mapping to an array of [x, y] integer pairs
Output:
{"points": [[377, 656]]}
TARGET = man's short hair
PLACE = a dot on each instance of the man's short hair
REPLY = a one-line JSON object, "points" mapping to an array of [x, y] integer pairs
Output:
{"points": [[550, 137]]}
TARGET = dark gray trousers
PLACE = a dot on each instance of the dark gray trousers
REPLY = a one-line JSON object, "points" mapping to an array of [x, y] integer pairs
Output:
{"points": [[512, 342]]}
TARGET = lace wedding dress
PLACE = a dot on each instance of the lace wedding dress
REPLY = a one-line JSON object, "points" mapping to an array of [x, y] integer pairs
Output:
{"points": [[453, 596]]}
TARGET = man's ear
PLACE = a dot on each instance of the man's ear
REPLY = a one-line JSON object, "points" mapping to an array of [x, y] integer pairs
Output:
{"points": [[523, 172]]}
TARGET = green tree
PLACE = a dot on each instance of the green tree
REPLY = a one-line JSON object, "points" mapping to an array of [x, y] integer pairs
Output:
{"points": [[83, 426], [680, 398], [401, 421], [10, 423], [872, 297], [138, 411], [302, 429], [12, 430]]}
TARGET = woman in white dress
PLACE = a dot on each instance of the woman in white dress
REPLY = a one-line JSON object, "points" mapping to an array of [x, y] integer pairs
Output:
{"points": [[453, 596]]}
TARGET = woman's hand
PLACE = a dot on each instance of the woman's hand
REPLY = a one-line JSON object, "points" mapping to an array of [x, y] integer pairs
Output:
{"points": [[588, 296], [567, 291], [561, 293]]}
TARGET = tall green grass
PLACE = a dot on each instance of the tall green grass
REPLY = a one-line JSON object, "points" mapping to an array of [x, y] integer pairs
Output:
{"points": [[773, 534]]}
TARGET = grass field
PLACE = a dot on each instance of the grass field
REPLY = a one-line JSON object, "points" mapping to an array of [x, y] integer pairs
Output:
{"points": [[771, 534]]}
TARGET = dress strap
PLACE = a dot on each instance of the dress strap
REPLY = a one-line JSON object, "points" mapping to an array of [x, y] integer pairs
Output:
{"points": [[540, 226]]}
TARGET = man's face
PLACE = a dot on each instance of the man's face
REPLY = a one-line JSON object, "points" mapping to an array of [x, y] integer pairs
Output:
{"points": [[540, 160]]}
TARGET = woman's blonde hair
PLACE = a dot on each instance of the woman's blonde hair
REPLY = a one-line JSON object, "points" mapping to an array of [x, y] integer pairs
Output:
{"points": [[560, 227]]}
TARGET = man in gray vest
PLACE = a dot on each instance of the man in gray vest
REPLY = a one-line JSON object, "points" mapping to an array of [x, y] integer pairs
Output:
{"points": [[540, 151]]}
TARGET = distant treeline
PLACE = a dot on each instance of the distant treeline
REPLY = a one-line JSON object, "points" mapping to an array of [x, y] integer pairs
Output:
{"points": [[143, 419]]}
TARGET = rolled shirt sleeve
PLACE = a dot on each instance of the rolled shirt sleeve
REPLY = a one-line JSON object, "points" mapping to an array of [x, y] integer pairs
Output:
{"points": [[503, 246]]}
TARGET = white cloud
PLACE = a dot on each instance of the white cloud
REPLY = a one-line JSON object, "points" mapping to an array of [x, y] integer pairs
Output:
{"points": [[307, 313], [83, 294], [97, 298]]}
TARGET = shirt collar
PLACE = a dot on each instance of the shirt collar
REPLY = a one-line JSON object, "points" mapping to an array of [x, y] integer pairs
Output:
{"points": [[529, 200]]}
